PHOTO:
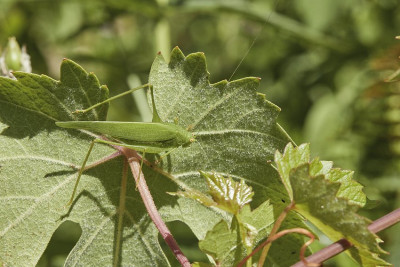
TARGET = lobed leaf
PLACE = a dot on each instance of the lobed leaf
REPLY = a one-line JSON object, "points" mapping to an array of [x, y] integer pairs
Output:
{"points": [[223, 244], [227, 193], [56, 99], [236, 133], [324, 196], [293, 157], [36, 177]]}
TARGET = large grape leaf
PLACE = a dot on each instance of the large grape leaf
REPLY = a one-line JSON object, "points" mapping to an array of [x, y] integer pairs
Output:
{"points": [[236, 133], [36, 178], [329, 199]]}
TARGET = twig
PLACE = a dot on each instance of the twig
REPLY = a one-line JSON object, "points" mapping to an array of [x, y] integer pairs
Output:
{"points": [[267, 243], [151, 208], [343, 244], [274, 229], [280, 234], [102, 160]]}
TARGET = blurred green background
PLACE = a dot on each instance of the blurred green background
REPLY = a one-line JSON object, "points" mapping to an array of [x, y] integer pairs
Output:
{"points": [[323, 62]]}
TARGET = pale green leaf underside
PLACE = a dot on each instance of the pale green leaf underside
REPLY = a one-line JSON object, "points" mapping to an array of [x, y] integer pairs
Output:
{"points": [[236, 132], [235, 128], [36, 178]]}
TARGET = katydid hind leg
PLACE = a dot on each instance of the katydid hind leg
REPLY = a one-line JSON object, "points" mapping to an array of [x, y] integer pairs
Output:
{"points": [[83, 167], [80, 172], [164, 155]]}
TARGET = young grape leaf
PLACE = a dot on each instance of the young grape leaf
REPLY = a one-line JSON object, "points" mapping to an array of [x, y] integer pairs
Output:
{"points": [[226, 193], [236, 133], [292, 157], [229, 194], [318, 192], [223, 244]]}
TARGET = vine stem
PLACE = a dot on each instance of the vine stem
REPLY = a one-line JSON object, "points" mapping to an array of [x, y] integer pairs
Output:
{"points": [[267, 243], [133, 160], [343, 244], [274, 230], [279, 235]]}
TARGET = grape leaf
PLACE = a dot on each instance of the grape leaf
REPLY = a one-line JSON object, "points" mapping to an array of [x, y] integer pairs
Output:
{"points": [[236, 133], [223, 244], [36, 177], [226, 193], [325, 197], [56, 99], [229, 194], [292, 157]]}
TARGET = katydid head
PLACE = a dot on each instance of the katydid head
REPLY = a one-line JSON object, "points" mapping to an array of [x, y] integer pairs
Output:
{"points": [[184, 137]]}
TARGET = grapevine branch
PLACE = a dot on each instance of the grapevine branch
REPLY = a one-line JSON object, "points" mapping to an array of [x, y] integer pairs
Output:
{"points": [[343, 244], [133, 160]]}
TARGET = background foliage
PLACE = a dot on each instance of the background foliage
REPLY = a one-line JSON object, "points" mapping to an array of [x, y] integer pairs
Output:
{"points": [[322, 62]]}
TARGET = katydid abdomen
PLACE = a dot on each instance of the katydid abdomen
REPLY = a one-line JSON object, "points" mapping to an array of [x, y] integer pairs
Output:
{"points": [[142, 136]]}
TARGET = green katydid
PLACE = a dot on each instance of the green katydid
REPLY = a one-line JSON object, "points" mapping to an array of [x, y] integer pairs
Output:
{"points": [[147, 137]]}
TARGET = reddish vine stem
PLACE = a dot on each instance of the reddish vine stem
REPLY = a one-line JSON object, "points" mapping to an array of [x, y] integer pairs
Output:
{"points": [[267, 243], [151, 208], [274, 229], [103, 160], [343, 244], [280, 234]]}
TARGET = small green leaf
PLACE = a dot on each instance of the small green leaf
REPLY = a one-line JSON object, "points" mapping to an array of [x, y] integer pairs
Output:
{"points": [[294, 157], [227, 193], [325, 197], [223, 244], [196, 195], [290, 159], [349, 188]]}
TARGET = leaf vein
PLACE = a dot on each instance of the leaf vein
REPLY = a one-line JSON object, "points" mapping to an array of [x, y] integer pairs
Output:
{"points": [[238, 131]]}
